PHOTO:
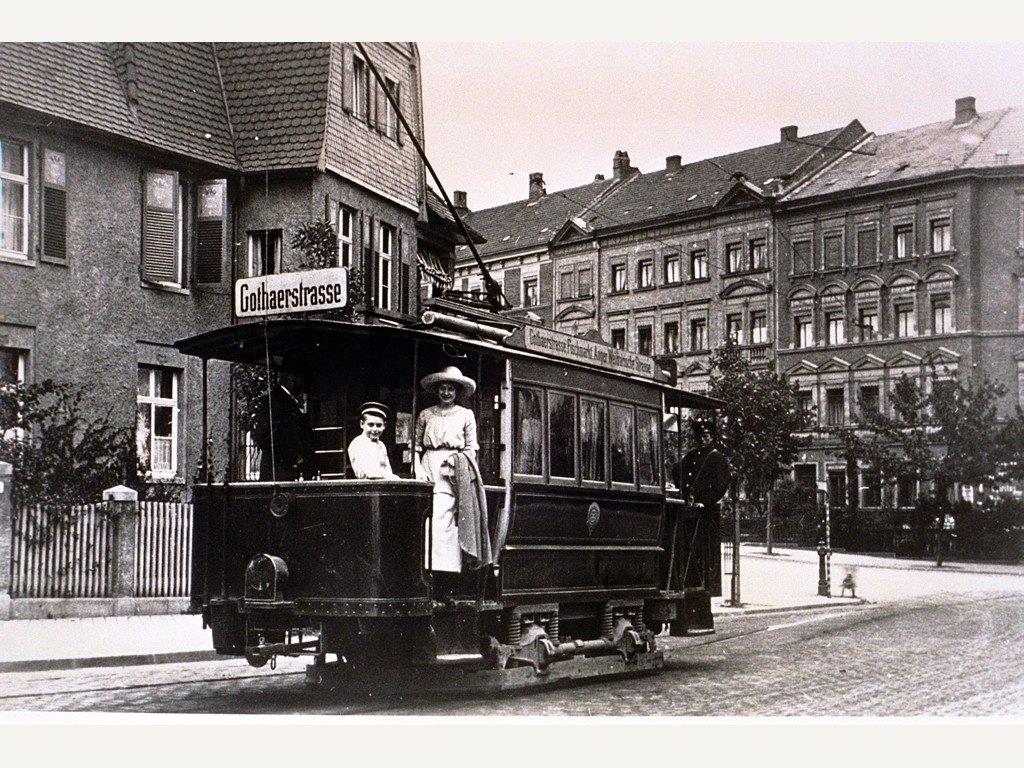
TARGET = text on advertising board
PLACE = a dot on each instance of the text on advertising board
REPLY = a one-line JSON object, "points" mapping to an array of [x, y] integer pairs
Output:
{"points": [[573, 348], [311, 291]]}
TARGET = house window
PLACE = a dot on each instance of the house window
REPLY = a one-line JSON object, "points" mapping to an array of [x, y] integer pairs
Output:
{"points": [[734, 257], [619, 338], [870, 489], [699, 265], [803, 252], [835, 406], [835, 324], [346, 228], [530, 292], [13, 198], [671, 338], [805, 475], [837, 487], [942, 314], [384, 259], [759, 327], [867, 246], [565, 285], [804, 400], [618, 278], [942, 235], [264, 252], [585, 285], [12, 371], [645, 274], [832, 245], [906, 491], [868, 398], [759, 254], [905, 324], [645, 340], [903, 241], [734, 327], [698, 334], [157, 426], [673, 273], [867, 323], [390, 118], [162, 228], [360, 89], [803, 331]]}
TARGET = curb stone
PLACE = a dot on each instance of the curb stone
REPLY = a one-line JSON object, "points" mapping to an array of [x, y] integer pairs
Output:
{"points": [[48, 665]]}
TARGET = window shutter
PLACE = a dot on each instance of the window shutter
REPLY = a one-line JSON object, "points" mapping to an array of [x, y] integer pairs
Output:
{"points": [[159, 236], [398, 123], [211, 226], [346, 80], [55, 226]]}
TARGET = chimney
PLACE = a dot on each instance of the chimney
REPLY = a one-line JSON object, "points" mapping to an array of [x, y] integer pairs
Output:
{"points": [[620, 164], [537, 190], [459, 201], [965, 110], [673, 163], [787, 133], [598, 177]]}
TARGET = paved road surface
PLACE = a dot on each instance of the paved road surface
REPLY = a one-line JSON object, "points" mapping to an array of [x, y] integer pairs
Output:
{"points": [[942, 655]]}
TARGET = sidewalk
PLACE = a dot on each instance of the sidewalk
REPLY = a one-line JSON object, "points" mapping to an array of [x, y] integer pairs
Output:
{"points": [[787, 580]]}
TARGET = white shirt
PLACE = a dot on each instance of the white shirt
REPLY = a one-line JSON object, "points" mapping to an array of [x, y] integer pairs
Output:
{"points": [[369, 458]]}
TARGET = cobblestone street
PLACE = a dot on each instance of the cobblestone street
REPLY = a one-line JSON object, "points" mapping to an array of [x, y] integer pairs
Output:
{"points": [[942, 655]]}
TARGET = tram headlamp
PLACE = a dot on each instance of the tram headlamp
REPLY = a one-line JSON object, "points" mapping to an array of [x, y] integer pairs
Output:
{"points": [[265, 578]]}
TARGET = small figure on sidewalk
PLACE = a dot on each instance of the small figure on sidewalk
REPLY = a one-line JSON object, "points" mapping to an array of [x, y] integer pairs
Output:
{"points": [[849, 583]]}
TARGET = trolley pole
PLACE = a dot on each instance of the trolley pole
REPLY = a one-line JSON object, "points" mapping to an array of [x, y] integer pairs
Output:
{"points": [[825, 547], [735, 580]]}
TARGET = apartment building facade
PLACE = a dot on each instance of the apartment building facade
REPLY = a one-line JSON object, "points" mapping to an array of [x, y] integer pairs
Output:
{"points": [[666, 263], [904, 259], [140, 180]]}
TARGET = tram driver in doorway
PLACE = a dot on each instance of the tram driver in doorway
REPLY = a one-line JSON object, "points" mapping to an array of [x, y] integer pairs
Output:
{"points": [[446, 446], [367, 454]]}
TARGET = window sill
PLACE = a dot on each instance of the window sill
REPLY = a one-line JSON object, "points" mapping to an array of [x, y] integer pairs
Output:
{"points": [[697, 280], [671, 283], [801, 274], [53, 261], [831, 270], [747, 272], [619, 293], [644, 288], [947, 254], [165, 288], [21, 261]]}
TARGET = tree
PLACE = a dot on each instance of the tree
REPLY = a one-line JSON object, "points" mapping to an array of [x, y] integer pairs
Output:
{"points": [[950, 434], [317, 240], [62, 453], [759, 421]]}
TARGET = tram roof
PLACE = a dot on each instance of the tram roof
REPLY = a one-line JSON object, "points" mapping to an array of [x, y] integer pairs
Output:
{"points": [[248, 342]]}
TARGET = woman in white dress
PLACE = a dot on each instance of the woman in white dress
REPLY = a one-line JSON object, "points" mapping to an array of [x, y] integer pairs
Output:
{"points": [[443, 430]]}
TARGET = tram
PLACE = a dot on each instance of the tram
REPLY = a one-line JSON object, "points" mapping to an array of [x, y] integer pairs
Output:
{"points": [[596, 550]]}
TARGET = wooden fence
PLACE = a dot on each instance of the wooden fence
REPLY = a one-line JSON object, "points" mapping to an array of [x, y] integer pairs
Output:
{"points": [[163, 549], [73, 551], [62, 551]]}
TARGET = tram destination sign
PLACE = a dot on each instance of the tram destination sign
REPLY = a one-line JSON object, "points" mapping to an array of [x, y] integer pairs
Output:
{"points": [[578, 350], [309, 291]]}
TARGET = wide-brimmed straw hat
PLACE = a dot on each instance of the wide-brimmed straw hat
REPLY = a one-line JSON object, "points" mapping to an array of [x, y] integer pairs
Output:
{"points": [[452, 375]]}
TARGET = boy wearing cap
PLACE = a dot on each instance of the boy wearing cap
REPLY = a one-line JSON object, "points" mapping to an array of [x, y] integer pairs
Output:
{"points": [[367, 455]]}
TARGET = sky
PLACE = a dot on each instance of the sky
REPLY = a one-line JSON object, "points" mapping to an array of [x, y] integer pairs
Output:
{"points": [[495, 112]]}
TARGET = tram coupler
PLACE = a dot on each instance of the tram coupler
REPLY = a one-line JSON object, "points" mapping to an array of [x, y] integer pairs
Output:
{"points": [[258, 655]]}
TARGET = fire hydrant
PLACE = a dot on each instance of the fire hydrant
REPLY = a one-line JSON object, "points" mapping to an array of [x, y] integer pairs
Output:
{"points": [[824, 580]]}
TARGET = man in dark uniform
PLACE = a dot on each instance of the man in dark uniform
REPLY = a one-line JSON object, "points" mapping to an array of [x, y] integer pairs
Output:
{"points": [[704, 472], [292, 432]]}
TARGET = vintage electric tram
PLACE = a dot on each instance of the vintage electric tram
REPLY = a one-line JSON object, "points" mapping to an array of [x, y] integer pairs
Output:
{"points": [[596, 548]]}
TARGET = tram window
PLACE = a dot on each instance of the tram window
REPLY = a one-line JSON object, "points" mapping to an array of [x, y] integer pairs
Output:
{"points": [[622, 443], [529, 432], [592, 442], [562, 434], [647, 446]]}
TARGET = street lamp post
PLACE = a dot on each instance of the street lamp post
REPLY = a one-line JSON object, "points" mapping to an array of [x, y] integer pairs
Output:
{"points": [[825, 547], [735, 581]]}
